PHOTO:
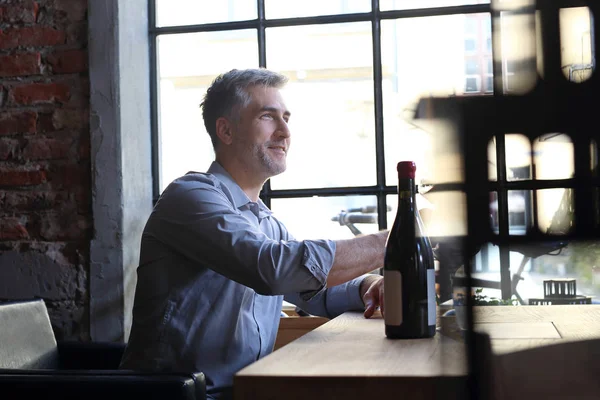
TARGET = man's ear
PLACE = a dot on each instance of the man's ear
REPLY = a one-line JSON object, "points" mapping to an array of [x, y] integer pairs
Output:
{"points": [[224, 130]]}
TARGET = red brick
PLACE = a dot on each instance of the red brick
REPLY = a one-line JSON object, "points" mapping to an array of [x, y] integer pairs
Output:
{"points": [[25, 12], [75, 10], [31, 36], [22, 177], [44, 122], [70, 119], [47, 148], [20, 64], [20, 122], [83, 199], [9, 149], [70, 175], [63, 118], [69, 61], [40, 93], [12, 229], [36, 200]]}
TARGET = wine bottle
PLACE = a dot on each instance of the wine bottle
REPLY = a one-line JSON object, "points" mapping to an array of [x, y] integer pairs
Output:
{"points": [[409, 275]]}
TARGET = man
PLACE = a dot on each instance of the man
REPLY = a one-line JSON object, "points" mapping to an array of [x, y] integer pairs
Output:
{"points": [[215, 263]]}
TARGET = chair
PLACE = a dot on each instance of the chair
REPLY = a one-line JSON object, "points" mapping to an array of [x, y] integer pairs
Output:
{"points": [[34, 365]]}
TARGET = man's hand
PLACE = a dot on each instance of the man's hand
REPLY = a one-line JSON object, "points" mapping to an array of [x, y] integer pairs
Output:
{"points": [[371, 292]]}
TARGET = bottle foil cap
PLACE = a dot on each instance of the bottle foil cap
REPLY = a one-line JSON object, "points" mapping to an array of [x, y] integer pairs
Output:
{"points": [[406, 169]]}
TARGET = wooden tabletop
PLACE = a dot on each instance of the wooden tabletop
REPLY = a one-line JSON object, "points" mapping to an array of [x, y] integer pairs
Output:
{"points": [[349, 357]]}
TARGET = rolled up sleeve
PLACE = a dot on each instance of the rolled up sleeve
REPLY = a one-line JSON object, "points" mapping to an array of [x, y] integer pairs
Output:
{"points": [[318, 259], [332, 301]]}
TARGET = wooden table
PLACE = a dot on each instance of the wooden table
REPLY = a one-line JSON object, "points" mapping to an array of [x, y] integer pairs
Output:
{"points": [[349, 357]]}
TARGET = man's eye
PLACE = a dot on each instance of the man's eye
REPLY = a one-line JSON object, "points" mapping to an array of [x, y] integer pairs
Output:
{"points": [[266, 116]]}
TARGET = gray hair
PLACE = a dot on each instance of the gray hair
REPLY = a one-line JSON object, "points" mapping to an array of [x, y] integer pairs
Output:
{"points": [[228, 94]]}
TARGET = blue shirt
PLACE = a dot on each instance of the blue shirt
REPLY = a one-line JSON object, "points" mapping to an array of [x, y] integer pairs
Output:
{"points": [[214, 268]]}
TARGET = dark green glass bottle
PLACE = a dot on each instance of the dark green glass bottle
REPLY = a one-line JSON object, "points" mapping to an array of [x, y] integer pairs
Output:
{"points": [[409, 275]]}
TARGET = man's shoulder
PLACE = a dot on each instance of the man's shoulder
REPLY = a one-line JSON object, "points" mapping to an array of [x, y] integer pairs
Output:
{"points": [[194, 186], [195, 180]]}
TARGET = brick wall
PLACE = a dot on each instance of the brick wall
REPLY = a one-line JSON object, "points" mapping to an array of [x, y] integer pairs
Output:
{"points": [[45, 189]]}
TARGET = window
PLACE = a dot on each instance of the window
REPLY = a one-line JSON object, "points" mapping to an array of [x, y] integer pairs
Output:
{"points": [[343, 83], [355, 81]]}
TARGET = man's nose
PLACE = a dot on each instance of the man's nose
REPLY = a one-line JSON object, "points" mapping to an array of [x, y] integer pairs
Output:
{"points": [[283, 130]]}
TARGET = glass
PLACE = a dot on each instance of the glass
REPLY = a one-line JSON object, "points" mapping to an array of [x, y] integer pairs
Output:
{"points": [[184, 74], [311, 8], [552, 260], [517, 156], [554, 156], [486, 266], [330, 96], [576, 260], [555, 211], [519, 211], [413, 53], [471, 67], [489, 84], [313, 217], [192, 12], [576, 43], [443, 213], [517, 50], [385, 5]]}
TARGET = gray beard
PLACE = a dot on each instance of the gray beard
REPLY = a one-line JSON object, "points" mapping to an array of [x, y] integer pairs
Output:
{"points": [[271, 167]]}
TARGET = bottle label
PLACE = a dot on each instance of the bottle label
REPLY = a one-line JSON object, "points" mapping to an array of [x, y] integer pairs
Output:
{"points": [[431, 303], [392, 296]]}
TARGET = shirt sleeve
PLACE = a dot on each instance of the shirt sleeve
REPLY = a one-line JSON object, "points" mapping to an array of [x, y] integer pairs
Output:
{"points": [[332, 301], [198, 221]]}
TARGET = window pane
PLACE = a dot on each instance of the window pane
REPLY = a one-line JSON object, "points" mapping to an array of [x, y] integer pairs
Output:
{"points": [[578, 260], [443, 213], [490, 66], [319, 217], [489, 84], [518, 157], [576, 43], [517, 50], [519, 212], [192, 12], [330, 96], [471, 67], [472, 84], [311, 8], [385, 5], [550, 260], [555, 211], [413, 49], [554, 156], [184, 75]]}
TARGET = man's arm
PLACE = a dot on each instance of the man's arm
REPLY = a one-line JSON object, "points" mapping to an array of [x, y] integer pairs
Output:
{"points": [[357, 256]]}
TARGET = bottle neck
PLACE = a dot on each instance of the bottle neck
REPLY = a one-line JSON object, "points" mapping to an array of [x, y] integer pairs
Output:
{"points": [[406, 184]]}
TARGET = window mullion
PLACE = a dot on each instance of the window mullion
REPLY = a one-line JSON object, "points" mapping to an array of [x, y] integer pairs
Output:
{"points": [[262, 62], [378, 100]]}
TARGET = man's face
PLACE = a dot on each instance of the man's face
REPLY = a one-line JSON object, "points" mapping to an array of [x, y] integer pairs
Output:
{"points": [[262, 137]]}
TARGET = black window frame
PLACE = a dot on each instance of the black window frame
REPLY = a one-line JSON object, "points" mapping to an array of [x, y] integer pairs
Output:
{"points": [[380, 189]]}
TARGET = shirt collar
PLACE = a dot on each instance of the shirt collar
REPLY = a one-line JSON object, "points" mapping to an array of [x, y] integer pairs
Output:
{"points": [[239, 196]]}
